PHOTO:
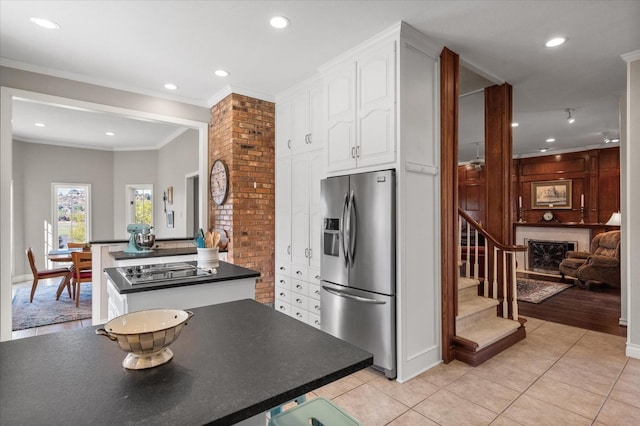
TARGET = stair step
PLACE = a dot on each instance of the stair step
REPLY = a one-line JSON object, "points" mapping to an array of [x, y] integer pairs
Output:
{"points": [[474, 305], [489, 331], [466, 282]]}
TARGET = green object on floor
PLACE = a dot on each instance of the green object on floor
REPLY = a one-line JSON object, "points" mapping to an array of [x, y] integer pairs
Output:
{"points": [[315, 412]]}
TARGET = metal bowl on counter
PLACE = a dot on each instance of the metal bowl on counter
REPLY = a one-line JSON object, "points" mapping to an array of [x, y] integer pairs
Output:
{"points": [[145, 241], [146, 335]]}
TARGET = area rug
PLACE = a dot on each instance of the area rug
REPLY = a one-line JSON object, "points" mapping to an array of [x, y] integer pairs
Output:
{"points": [[536, 291], [45, 309]]}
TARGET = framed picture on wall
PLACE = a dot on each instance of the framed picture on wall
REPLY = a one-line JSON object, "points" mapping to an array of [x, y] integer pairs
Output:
{"points": [[551, 194], [170, 219]]}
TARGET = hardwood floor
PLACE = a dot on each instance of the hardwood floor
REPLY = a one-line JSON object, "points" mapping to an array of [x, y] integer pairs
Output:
{"points": [[597, 308]]}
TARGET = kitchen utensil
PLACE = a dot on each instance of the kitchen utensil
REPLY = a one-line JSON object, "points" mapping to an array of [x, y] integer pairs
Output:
{"points": [[146, 335], [216, 239]]}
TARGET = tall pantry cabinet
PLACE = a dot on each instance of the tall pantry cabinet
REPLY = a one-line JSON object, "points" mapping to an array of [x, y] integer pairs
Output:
{"points": [[300, 165]]}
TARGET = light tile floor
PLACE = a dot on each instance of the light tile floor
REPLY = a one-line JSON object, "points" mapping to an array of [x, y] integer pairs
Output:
{"points": [[558, 375]]}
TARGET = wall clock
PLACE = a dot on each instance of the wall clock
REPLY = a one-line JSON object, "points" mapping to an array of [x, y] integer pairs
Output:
{"points": [[219, 182]]}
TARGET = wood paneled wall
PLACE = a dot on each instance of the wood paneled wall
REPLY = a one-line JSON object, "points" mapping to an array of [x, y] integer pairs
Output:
{"points": [[594, 173]]}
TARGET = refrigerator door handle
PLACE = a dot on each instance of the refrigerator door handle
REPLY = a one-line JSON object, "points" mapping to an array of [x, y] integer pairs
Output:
{"points": [[344, 232], [352, 297], [353, 227]]}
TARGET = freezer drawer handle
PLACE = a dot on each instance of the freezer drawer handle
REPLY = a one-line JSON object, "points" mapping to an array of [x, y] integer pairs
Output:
{"points": [[351, 296]]}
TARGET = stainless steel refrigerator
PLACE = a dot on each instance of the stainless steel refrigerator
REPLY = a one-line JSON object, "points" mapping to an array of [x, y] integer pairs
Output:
{"points": [[358, 263]]}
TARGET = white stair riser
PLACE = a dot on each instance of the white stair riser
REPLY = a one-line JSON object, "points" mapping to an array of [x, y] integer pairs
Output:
{"points": [[467, 293], [475, 318]]}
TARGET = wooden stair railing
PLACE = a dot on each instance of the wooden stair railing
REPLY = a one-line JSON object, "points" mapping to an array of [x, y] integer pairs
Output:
{"points": [[471, 250]]}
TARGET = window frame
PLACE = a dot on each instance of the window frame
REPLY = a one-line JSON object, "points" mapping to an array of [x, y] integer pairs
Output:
{"points": [[54, 210]]}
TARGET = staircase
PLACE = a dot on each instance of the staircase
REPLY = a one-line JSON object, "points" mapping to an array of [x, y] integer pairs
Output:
{"points": [[485, 325]]}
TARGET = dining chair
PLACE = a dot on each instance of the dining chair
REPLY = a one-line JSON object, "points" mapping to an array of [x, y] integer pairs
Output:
{"points": [[81, 271], [46, 273]]}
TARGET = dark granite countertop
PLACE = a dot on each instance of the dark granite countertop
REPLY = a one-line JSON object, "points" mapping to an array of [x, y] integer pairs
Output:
{"points": [[120, 255], [225, 272], [232, 361]]}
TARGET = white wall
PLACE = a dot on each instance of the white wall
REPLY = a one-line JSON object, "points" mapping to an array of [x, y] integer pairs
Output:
{"points": [[630, 204], [175, 160], [35, 167]]}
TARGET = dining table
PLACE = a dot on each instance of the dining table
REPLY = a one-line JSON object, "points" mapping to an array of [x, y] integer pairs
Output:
{"points": [[63, 256], [233, 362]]}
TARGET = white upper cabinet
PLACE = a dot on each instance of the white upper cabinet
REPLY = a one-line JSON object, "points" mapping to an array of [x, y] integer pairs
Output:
{"points": [[307, 125], [361, 110], [284, 124], [375, 127]]}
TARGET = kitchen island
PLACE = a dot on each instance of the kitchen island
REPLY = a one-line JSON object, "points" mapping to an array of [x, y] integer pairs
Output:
{"points": [[232, 362], [110, 253], [204, 287]]}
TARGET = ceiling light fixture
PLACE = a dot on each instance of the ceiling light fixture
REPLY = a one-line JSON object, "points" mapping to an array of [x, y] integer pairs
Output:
{"points": [[279, 22], [221, 73], [45, 23], [570, 119], [544, 149], [555, 42], [515, 124], [550, 140], [614, 140], [39, 124], [170, 86], [109, 133]]}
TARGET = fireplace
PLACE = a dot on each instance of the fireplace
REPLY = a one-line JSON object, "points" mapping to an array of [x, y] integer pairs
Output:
{"points": [[545, 256]]}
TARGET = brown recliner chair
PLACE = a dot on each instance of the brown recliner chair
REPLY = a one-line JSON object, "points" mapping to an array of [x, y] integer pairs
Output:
{"points": [[602, 264]]}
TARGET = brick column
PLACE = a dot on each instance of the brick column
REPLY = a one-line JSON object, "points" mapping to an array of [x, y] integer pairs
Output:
{"points": [[242, 134]]}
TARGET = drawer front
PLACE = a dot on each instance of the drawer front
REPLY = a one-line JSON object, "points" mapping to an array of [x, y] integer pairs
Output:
{"points": [[283, 307], [300, 272], [299, 301], [283, 268], [314, 276], [314, 306], [314, 292], [300, 287], [300, 314], [283, 294], [283, 281], [314, 320]]}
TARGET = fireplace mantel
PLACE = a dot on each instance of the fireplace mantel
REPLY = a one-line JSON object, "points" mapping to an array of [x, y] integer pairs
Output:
{"points": [[601, 227]]}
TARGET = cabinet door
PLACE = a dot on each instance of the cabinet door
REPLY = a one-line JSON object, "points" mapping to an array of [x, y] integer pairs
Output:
{"points": [[317, 120], [283, 209], [316, 174], [300, 209], [283, 129], [375, 129], [300, 122], [340, 97]]}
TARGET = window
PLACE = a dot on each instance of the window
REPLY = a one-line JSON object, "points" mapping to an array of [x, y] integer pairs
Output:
{"points": [[71, 213], [140, 204]]}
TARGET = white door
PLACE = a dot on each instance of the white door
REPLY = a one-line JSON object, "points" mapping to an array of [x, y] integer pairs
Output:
{"points": [[283, 129]]}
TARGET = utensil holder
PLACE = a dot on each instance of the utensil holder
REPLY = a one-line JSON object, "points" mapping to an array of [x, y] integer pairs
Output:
{"points": [[207, 257]]}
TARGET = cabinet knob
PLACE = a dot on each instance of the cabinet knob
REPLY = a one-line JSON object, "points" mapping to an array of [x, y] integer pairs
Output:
{"points": [[298, 314], [282, 294], [317, 277], [299, 286], [317, 308], [299, 272], [282, 308], [317, 322], [298, 301], [281, 281], [282, 268]]}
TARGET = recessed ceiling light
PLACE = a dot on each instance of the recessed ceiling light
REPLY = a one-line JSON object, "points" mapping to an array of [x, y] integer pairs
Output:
{"points": [[109, 133], [515, 124], [45, 23], [550, 140], [39, 124], [279, 22], [170, 86], [615, 140], [544, 149], [554, 42], [221, 73]]}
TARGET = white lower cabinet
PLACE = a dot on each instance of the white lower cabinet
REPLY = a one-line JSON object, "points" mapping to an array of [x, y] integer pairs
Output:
{"points": [[298, 295]]}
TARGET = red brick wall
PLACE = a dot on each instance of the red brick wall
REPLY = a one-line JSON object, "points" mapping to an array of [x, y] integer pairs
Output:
{"points": [[242, 134]]}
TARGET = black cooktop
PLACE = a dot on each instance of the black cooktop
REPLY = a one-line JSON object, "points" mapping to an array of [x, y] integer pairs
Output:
{"points": [[161, 272]]}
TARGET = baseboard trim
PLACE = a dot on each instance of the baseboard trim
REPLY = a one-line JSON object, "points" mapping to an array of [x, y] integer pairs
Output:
{"points": [[633, 351], [475, 358], [21, 278]]}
